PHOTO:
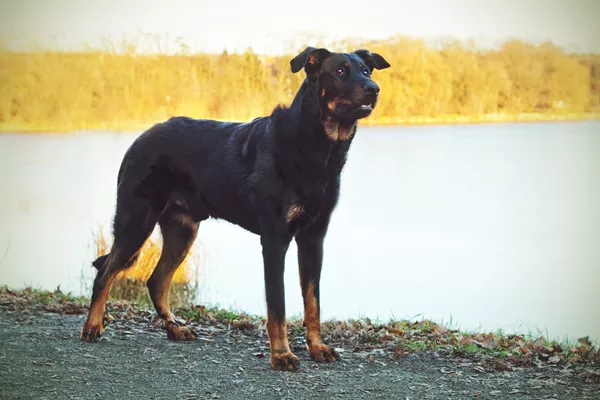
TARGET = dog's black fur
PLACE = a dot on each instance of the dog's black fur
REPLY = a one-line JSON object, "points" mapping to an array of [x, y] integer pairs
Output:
{"points": [[277, 176]]}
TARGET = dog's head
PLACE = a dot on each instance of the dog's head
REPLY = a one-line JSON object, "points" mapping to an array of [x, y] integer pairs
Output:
{"points": [[342, 81]]}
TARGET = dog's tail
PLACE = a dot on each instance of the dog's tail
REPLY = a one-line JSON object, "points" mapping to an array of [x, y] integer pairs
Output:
{"points": [[99, 262]]}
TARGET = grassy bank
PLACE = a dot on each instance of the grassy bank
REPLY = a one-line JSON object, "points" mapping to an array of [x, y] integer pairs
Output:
{"points": [[449, 83], [496, 350]]}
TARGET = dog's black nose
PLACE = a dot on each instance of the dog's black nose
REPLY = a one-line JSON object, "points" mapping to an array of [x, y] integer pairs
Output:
{"points": [[371, 88]]}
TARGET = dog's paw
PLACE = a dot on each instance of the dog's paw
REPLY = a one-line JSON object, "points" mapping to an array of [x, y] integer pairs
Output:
{"points": [[90, 333], [179, 333], [322, 353], [285, 361]]}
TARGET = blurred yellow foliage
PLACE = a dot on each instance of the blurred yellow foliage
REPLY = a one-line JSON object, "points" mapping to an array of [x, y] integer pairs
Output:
{"points": [[146, 262], [452, 82]]}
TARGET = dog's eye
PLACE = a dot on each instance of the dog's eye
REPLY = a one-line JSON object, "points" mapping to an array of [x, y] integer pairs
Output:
{"points": [[340, 71], [365, 72]]}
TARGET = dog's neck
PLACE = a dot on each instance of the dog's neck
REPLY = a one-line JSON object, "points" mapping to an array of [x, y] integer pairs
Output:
{"points": [[304, 141], [338, 130], [306, 104]]}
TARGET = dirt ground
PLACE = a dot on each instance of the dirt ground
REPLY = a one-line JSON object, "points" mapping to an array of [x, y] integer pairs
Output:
{"points": [[41, 357]]}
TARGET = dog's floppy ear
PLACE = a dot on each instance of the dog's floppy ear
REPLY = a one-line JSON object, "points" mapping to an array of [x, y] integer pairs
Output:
{"points": [[373, 60], [310, 59]]}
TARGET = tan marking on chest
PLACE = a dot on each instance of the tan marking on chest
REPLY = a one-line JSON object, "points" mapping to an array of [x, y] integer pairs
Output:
{"points": [[294, 212], [337, 132]]}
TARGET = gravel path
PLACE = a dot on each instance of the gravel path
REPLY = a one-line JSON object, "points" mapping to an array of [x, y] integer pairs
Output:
{"points": [[41, 357]]}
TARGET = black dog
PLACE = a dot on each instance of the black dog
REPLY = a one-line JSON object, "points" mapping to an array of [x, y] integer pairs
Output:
{"points": [[277, 176]]}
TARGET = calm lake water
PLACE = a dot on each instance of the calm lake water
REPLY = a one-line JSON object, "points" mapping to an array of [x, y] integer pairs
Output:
{"points": [[490, 226]]}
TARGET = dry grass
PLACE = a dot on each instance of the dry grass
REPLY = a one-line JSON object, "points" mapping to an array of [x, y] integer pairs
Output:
{"points": [[58, 91], [131, 283]]}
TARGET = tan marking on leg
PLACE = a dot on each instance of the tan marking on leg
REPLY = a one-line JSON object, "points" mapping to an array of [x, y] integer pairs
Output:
{"points": [[94, 325], [166, 320], [318, 351], [277, 332], [311, 316], [159, 291], [173, 254], [281, 356], [294, 212]]}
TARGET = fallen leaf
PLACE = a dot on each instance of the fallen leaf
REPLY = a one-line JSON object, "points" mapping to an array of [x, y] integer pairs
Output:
{"points": [[524, 350], [439, 330], [466, 340], [584, 340], [539, 343], [554, 359]]}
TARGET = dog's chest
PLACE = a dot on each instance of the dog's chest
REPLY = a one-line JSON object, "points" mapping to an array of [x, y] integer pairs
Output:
{"points": [[302, 211], [310, 177], [308, 194]]}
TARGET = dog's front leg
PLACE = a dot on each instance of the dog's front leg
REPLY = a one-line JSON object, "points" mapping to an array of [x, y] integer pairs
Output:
{"points": [[274, 248], [310, 260]]}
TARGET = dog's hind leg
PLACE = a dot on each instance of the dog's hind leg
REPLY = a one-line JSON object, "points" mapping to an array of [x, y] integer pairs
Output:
{"points": [[132, 228], [179, 231]]}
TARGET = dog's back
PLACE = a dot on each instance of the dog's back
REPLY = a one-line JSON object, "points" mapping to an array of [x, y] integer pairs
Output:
{"points": [[203, 166]]}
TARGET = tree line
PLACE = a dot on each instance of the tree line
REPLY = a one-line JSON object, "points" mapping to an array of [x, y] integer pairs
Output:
{"points": [[107, 89]]}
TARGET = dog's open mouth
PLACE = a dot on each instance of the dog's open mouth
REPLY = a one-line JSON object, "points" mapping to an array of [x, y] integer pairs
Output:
{"points": [[367, 105]]}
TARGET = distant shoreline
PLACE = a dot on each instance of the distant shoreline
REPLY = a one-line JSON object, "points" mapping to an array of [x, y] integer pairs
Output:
{"points": [[450, 84], [133, 126]]}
